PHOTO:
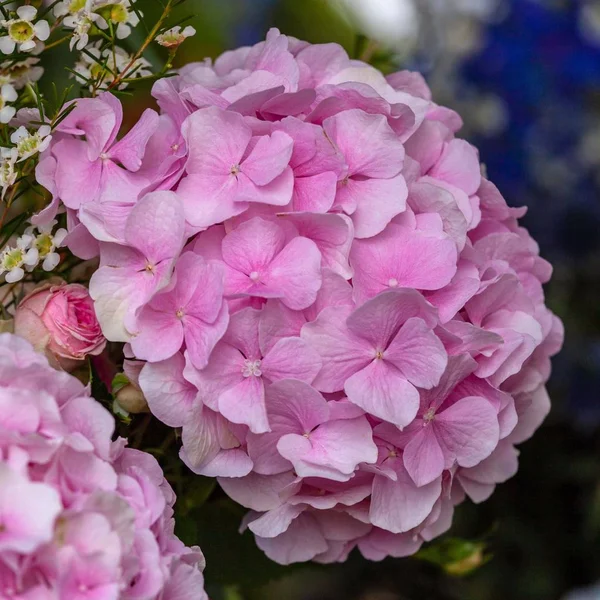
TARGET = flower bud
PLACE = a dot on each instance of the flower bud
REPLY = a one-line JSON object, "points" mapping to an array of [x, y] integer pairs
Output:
{"points": [[60, 321]]}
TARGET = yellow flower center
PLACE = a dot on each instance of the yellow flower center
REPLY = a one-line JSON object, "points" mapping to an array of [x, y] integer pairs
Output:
{"points": [[76, 6], [116, 13], [13, 258], [28, 144], [21, 31], [44, 244]]}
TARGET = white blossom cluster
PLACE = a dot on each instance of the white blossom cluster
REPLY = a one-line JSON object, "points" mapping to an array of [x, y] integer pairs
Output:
{"points": [[26, 144], [36, 245]]}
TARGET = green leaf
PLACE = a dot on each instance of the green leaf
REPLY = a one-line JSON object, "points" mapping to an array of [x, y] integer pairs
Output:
{"points": [[120, 380], [456, 556], [232, 558]]}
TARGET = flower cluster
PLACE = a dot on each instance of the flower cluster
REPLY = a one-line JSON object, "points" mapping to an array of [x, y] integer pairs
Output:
{"points": [[80, 516], [340, 312], [23, 32], [36, 245]]}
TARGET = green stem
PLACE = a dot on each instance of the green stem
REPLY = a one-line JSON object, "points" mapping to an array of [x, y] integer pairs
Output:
{"points": [[147, 42]]}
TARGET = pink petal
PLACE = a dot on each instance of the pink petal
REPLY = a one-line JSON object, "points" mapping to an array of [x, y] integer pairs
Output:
{"points": [[378, 319], [243, 332], [277, 322], [295, 406], [199, 286], [418, 354], [399, 506], [402, 257], [277, 193], [77, 178], [315, 193], [159, 334], [244, 403], [291, 358], [170, 397], [423, 457], [269, 157], [155, 226], [333, 235], [333, 450], [259, 492], [209, 200], [224, 370], [467, 431], [367, 142], [342, 352], [381, 390], [295, 273], [217, 140], [253, 245], [451, 298], [201, 337], [129, 150], [377, 202], [28, 511], [302, 541], [459, 166]]}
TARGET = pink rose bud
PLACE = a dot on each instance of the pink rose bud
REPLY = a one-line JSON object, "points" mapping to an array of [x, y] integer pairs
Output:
{"points": [[59, 319]]}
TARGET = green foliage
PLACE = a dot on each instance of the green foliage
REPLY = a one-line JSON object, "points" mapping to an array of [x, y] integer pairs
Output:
{"points": [[233, 559], [456, 556]]}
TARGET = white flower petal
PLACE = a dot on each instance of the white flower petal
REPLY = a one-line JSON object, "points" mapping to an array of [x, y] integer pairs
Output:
{"points": [[26, 46], [42, 30], [31, 258], [27, 13], [123, 31], [19, 134], [59, 236], [15, 275], [8, 92], [51, 261], [7, 45], [7, 113]]}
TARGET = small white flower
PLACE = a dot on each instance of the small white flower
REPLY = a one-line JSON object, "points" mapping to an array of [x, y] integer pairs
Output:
{"points": [[120, 14], [7, 95], [8, 173], [71, 7], [13, 259], [22, 32], [79, 17], [116, 63], [29, 143], [20, 73], [174, 37], [45, 243], [81, 24]]}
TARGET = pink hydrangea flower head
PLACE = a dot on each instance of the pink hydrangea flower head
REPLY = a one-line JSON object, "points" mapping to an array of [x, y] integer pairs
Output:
{"points": [[81, 516], [338, 309]]}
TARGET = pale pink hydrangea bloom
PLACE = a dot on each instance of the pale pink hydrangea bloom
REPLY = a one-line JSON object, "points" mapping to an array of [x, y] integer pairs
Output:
{"points": [[340, 312], [81, 516]]}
